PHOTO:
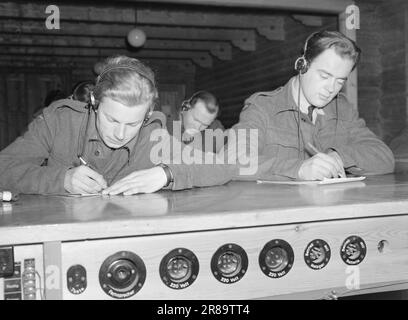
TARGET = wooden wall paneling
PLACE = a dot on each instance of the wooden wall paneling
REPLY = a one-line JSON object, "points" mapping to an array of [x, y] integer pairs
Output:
{"points": [[3, 112], [241, 38], [327, 6]]}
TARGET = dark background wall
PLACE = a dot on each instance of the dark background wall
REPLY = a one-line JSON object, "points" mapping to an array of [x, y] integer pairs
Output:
{"points": [[382, 73], [266, 69]]}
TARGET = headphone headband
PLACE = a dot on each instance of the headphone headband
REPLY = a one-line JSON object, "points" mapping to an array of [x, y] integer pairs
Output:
{"points": [[144, 74], [301, 63]]}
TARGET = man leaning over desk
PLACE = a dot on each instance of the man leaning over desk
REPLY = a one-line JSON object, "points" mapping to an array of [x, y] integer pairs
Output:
{"points": [[307, 130]]}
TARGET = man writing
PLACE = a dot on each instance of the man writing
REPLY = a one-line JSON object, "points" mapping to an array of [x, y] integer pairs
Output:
{"points": [[307, 130], [100, 147]]}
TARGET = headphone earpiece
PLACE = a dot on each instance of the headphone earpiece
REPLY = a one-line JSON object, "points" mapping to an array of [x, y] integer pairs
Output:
{"points": [[147, 117], [186, 105], [301, 65], [92, 101]]}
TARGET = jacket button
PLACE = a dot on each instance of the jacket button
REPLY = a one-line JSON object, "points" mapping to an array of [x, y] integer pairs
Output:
{"points": [[97, 153]]}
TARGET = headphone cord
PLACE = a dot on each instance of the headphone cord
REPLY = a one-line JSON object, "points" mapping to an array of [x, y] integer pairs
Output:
{"points": [[81, 146], [298, 122]]}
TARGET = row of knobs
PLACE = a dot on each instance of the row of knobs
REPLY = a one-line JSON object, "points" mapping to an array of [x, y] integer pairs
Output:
{"points": [[123, 273]]}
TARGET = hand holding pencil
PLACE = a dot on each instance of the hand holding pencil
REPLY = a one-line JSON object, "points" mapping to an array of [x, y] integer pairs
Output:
{"points": [[321, 165]]}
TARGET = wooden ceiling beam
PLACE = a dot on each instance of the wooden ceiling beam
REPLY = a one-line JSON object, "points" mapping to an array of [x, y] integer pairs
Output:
{"points": [[69, 12], [242, 38], [271, 26], [321, 6], [316, 6], [220, 49], [202, 59], [309, 20], [88, 62]]}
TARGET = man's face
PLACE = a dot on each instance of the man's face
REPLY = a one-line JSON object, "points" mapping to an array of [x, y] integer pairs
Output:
{"points": [[197, 118], [117, 124], [325, 77]]}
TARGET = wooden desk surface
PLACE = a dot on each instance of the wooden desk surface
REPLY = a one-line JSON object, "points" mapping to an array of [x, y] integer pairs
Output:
{"points": [[35, 219]]}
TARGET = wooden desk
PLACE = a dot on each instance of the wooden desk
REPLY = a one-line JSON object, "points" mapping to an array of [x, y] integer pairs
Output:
{"points": [[87, 230]]}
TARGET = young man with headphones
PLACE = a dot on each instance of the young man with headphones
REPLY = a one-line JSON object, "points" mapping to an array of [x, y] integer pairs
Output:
{"points": [[198, 114], [102, 146], [307, 129]]}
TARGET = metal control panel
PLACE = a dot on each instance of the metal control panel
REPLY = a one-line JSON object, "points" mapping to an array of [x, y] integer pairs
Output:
{"points": [[24, 279], [345, 257]]}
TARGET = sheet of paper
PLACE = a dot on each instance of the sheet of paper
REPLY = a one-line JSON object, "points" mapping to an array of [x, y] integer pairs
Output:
{"points": [[76, 195], [313, 182]]}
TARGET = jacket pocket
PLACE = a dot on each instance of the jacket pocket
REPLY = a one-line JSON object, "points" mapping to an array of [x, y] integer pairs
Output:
{"points": [[56, 159], [283, 143]]}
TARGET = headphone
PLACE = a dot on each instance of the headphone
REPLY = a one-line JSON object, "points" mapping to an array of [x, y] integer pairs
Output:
{"points": [[83, 85], [301, 63], [186, 104], [203, 95], [92, 101]]}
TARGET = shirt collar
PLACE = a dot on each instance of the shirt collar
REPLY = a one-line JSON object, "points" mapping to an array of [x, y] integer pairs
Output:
{"points": [[290, 86]]}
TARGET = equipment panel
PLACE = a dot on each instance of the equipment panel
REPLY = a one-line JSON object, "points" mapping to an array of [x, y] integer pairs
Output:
{"points": [[329, 258], [24, 279]]}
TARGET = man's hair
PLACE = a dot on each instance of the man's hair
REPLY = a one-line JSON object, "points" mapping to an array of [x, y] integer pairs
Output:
{"points": [[210, 101], [127, 81], [323, 40], [81, 91]]}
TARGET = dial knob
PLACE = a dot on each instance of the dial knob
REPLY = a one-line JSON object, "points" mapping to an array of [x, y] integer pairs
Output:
{"points": [[122, 274], [276, 258], [179, 268], [229, 263], [353, 250], [317, 254]]}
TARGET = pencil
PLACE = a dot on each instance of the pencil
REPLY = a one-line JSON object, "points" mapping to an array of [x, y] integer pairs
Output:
{"points": [[313, 151]]}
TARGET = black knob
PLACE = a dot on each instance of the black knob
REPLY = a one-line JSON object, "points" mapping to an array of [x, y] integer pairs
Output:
{"points": [[179, 268], [353, 250], [122, 274], [76, 279], [317, 254], [229, 263], [276, 258]]}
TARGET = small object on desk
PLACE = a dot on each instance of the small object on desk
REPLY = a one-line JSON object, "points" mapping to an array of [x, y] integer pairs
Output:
{"points": [[8, 196], [313, 182], [340, 180], [76, 195]]}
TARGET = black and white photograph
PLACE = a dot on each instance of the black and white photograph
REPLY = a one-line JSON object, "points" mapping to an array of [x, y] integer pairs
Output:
{"points": [[204, 157]]}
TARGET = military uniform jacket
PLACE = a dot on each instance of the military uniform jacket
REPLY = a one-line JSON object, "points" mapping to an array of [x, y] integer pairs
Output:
{"points": [[283, 133], [37, 161]]}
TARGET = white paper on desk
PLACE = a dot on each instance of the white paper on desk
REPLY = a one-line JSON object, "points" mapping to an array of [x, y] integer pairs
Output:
{"points": [[313, 182], [76, 195]]}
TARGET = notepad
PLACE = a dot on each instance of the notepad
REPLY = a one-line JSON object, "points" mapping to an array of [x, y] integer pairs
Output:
{"points": [[313, 182], [76, 195]]}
